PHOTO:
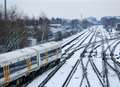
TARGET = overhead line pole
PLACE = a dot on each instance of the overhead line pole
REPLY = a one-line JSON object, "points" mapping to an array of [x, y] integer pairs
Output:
{"points": [[5, 7]]}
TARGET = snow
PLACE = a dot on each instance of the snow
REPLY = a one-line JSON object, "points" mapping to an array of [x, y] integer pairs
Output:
{"points": [[55, 30], [13, 56], [117, 53], [39, 79], [60, 76], [67, 40], [78, 41], [93, 79]]}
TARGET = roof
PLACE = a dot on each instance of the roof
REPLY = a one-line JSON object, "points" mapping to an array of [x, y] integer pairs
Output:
{"points": [[28, 52], [46, 46], [15, 55], [55, 30], [58, 25]]}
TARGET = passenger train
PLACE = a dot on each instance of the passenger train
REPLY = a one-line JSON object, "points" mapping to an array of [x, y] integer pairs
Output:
{"points": [[19, 63]]}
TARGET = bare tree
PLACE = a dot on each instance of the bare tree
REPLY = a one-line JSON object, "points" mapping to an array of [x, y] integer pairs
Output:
{"points": [[12, 35], [44, 23]]}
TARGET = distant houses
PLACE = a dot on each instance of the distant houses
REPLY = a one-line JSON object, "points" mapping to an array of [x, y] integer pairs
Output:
{"points": [[59, 31]]}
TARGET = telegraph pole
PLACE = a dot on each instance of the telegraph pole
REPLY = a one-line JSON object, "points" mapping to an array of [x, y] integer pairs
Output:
{"points": [[5, 7]]}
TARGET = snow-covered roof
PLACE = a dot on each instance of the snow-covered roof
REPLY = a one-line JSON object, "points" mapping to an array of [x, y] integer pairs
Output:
{"points": [[11, 57], [15, 55], [46, 46], [55, 25], [55, 30], [109, 17]]}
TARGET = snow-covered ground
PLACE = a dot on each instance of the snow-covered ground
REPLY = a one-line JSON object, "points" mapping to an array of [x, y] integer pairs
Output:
{"points": [[60, 76], [39, 79], [67, 40]]}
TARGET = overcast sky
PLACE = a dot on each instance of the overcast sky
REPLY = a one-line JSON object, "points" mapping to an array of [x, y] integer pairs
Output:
{"points": [[68, 8]]}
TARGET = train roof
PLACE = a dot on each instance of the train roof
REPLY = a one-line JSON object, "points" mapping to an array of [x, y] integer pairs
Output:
{"points": [[13, 56], [46, 46], [21, 54]]}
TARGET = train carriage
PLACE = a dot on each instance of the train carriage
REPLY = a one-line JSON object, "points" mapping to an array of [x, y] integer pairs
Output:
{"points": [[16, 64], [19, 63], [48, 52]]}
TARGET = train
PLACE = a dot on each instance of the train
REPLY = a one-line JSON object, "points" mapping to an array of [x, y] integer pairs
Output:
{"points": [[22, 62]]}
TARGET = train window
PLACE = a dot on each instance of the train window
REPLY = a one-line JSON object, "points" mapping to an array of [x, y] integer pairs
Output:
{"points": [[1, 72], [17, 66], [34, 60], [50, 53], [53, 52], [42, 56], [21, 65]]}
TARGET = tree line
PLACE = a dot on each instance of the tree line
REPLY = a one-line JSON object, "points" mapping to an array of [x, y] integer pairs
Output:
{"points": [[13, 32]]}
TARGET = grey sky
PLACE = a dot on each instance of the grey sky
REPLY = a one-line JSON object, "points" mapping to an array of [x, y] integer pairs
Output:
{"points": [[68, 8]]}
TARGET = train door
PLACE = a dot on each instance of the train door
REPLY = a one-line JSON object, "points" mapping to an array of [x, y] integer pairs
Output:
{"points": [[6, 72], [29, 65], [46, 57]]}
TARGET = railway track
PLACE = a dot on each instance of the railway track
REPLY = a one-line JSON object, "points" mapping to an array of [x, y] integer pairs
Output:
{"points": [[51, 74], [84, 67], [65, 84], [71, 47], [75, 49], [102, 76], [54, 71], [72, 40], [97, 72], [105, 81], [42, 84], [115, 68]]}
